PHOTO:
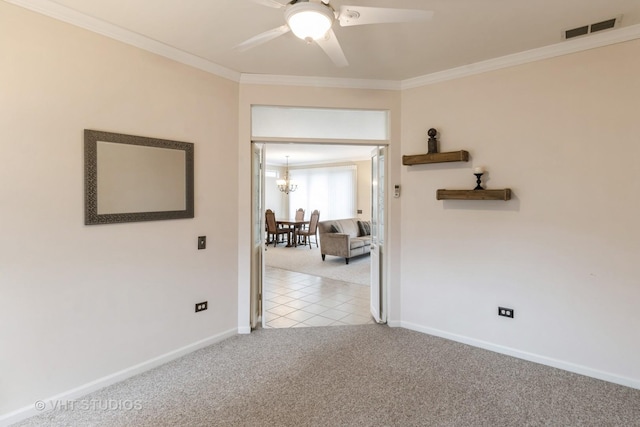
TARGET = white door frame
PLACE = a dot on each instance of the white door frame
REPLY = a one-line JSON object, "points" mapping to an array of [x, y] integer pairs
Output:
{"points": [[384, 267], [378, 303], [257, 236]]}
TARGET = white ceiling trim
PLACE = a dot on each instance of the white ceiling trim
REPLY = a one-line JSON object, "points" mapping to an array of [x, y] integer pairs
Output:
{"points": [[279, 80], [62, 13], [564, 48], [70, 16]]}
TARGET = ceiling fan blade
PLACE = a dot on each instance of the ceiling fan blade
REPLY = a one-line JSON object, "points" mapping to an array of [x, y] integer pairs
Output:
{"points": [[270, 3], [332, 48], [361, 15], [262, 38]]}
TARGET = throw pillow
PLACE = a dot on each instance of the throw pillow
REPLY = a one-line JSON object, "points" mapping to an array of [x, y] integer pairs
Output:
{"points": [[364, 228], [334, 229]]}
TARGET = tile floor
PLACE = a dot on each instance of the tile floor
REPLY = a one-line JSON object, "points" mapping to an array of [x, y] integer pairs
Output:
{"points": [[294, 299]]}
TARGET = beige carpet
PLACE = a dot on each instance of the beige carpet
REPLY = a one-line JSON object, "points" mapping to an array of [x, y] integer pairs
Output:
{"points": [[305, 260], [368, 375]]}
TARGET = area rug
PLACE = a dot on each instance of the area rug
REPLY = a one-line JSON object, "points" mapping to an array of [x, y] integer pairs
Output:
{"points": [[305, 260]]}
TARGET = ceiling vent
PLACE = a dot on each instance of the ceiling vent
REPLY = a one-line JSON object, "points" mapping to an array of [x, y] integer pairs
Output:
{"points": [[592, 28]]}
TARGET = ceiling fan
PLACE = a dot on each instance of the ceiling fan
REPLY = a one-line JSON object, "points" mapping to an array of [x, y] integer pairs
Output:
{"points": [[311, 20]]}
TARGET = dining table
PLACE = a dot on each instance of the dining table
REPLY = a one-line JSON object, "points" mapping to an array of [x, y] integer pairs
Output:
{"points": [[294, 225]]}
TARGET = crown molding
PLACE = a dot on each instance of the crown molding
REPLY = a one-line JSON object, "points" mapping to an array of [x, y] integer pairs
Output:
{"points": [[327, 82], [592, 41], [70, 16], [559, 49]]}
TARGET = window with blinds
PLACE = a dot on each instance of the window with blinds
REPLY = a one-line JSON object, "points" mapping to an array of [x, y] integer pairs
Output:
{"points": [[331, 190]]}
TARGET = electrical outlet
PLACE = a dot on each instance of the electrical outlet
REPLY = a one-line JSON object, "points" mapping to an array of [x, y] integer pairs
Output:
{"points": [[505, 312], [201, 306], [202, 242]]}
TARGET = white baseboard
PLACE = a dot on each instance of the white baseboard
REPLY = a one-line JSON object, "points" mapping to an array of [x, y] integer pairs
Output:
{"points": [[244, 330], [531, 357], [29, 411]]}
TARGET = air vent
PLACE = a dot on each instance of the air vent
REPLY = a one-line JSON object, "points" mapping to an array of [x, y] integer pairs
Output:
{"points": [[591, 28], [604, 25], [580, 31]]}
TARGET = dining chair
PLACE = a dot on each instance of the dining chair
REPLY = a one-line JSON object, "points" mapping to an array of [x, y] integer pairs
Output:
{"points": [[312, 230], [300, 217], [273, 231]]}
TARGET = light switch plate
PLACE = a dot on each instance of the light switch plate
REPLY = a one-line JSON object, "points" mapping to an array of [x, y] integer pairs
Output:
{"points": [[202, 242]]}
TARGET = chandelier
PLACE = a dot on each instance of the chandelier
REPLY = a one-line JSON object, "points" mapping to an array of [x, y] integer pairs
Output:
{"points": [[286, 185]]}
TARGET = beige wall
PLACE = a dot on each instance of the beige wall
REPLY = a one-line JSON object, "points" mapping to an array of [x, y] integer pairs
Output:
{"points": [[563, 134], [364, 189], [80, 302]]}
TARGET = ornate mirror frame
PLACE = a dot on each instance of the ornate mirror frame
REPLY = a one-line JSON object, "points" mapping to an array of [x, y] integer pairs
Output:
{"points": [[91, 162]]}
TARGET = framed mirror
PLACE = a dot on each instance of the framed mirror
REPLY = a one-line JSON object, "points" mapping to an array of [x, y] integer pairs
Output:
{"points": [[131, 178]]}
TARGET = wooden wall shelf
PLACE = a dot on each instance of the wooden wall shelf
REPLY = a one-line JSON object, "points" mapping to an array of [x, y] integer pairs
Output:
{"points": [[502, 194], [421, 159]]}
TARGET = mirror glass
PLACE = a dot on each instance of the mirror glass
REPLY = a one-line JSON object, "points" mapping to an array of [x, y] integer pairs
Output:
{"points": [[132, 178]]}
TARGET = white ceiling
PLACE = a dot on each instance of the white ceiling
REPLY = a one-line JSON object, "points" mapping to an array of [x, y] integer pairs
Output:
{"points": [[461, 32]]}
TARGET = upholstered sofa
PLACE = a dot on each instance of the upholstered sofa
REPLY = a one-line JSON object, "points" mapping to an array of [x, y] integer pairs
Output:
{"points": [[344, 238]]}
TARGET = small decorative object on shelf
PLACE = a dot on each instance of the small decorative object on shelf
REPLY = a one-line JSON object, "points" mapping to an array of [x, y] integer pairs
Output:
{"points": [[432, 156], [478, 173], [432, 144], [478, 193]]}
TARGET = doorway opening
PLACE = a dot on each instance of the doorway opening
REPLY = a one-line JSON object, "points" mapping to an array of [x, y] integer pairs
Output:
{"points": [[333, 130], [299, 287]]}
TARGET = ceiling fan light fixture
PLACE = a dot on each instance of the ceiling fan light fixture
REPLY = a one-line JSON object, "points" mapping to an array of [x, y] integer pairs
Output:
{"points": [[309, 21]]}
